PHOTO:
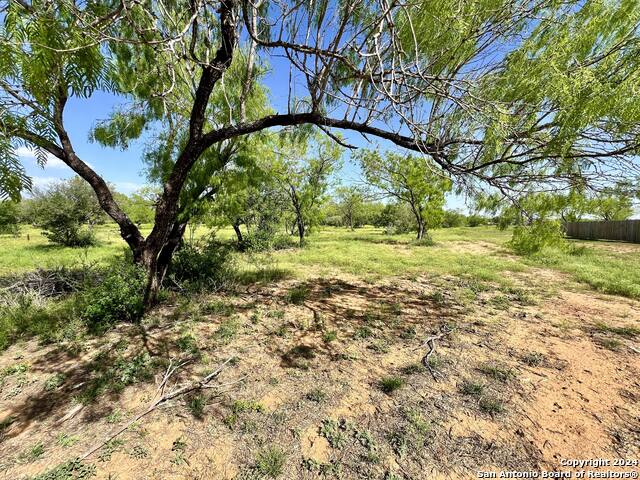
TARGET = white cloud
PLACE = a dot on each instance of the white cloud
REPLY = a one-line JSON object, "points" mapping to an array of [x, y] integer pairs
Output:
{"points": [[52, 162], [128, 187], [44, 182], [29, 154]]}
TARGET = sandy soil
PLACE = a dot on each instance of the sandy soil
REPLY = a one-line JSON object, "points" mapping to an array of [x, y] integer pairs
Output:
{"points": [[557, 369]]}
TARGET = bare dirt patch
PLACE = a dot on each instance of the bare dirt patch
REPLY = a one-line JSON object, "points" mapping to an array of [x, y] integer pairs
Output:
{"points": [[334, 387]]}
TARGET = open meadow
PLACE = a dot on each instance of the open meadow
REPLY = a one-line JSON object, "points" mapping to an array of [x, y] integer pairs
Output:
{"points": [[531, 360]]}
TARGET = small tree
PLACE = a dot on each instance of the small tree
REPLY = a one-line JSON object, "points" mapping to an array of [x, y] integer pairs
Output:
{"points": [[9, 217], [615, 203], [304, 172], [351, 206], [67, 212], [410, 179]]}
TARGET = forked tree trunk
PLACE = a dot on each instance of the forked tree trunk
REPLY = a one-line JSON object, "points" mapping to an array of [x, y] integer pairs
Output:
{"points": [[156, 262], [422, 228]]}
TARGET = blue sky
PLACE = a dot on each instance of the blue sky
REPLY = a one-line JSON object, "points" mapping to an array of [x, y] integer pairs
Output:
{"points": [[124, 169]]}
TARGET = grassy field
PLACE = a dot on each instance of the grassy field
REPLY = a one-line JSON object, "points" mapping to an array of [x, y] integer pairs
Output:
{"points": [[479, 252], [325, 372]]}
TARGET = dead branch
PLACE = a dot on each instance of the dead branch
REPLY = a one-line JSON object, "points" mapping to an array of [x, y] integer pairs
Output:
{"points": [[431, 343], [161, 397]]}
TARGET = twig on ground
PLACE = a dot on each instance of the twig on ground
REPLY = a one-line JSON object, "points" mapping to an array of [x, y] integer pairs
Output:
{"points": [[431, 343], [162, 397]]}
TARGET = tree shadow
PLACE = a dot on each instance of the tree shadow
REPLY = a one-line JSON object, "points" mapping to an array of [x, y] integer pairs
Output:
{"points": [[349, 312], [87, 380]]}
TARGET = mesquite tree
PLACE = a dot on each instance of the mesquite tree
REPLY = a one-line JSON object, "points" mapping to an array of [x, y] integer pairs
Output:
{"points": [[350, 204], [304, 172], [412, 180], [507, 92]]}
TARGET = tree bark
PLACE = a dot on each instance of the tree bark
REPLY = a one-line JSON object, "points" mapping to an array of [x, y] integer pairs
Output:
{"points": [[419, 220], [156, 262], [236, 228], [301, 230]]}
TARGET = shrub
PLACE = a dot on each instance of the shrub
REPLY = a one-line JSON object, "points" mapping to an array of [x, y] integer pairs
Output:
{"points": [[66, 210], [28, 316], [453, 218], [202, 265], [64, 231], [9, 218], [531, 239], [264, 240], [117, 297], [475, 220], [282, 241]]}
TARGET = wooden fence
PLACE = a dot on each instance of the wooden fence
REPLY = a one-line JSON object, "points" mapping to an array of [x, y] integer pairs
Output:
{"points": [[626, 230]]}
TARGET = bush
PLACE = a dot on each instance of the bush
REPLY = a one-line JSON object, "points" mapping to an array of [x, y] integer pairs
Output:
{"points": [[531, 239], [264, 240], [66, 210], [117, 297], [202, 265], [29, 315], [453, 218], [282, 241], [477, 220], [9, 218], [64, 231]]}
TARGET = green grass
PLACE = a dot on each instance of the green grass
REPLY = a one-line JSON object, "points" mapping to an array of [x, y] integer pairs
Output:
{"points": [[367, 253], [497, 372], [598, 265], [390, 384], [270, 462], [472, 388], [491, 405], [31, 250], [73, 469], [629, 332]]}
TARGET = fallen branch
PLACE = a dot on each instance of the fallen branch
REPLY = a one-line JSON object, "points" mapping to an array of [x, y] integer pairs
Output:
{"points": [[162, 397], [431, 343]]}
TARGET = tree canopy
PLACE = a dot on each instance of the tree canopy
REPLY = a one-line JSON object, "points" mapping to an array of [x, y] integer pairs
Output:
{"points": [[410, 179], [515, 94]]}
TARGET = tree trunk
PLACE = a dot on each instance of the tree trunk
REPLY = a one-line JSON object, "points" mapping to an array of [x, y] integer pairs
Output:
{"points": [[236, 228], [156, 261], [301, 230], [419, 220]]}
